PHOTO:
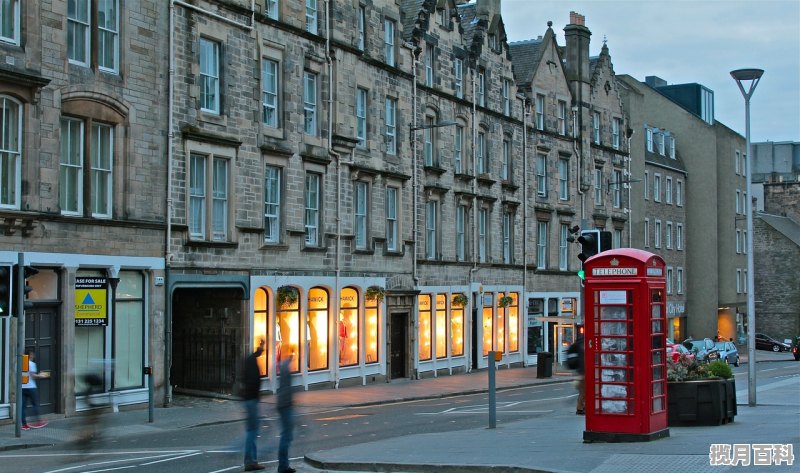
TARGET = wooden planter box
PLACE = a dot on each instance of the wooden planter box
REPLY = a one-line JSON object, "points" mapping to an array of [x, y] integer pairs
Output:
{"points": [[702, 402]]}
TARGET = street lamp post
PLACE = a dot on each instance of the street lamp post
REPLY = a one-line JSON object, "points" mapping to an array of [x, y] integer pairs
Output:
{"points": [[751, 77], [412, 129]]}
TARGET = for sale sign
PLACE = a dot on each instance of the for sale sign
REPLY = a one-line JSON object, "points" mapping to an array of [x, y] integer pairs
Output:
{"points": [[91, 297]]}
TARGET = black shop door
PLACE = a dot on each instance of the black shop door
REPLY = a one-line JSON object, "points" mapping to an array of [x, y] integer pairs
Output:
{"points": [[399, 346], [41, 327]]}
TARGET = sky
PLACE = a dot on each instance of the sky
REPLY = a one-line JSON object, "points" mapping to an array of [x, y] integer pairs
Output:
{"points": [[691, 41]]}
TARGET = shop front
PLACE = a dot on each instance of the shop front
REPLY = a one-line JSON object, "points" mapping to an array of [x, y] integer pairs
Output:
{"points": [[332, 336], [552, 319], [90, 314], [498, 325], [441, 331], [676, 321]]}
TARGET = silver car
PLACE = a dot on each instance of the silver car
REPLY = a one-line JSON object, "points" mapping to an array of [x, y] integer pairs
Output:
{"points": [[728, 352]]}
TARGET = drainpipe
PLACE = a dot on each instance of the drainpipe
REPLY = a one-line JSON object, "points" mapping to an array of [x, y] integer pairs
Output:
{"points": [[525, 113], [415, 165], [474, 217], [168, 243], [629, 184], [338, 158]]}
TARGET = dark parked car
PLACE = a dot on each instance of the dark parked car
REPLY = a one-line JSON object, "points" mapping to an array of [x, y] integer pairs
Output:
{"points": [[765, 342], [704, 350], [728, 352]]}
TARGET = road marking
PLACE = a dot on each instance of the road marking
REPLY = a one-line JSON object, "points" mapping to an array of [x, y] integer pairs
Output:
{"points": [[349, 416], [502, 407], [171, 459]]}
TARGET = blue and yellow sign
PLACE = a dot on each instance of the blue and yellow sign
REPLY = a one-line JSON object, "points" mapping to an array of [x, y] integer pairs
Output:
{"points": [[91, 296]]}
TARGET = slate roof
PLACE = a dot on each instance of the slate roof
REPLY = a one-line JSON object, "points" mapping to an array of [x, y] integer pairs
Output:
{"points": [[525, 57], [410, 16], [786, 226], [469, 21], [656, 158]]}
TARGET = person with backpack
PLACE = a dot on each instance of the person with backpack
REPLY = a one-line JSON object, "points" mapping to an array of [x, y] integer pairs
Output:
{"points": [[575, 362]]}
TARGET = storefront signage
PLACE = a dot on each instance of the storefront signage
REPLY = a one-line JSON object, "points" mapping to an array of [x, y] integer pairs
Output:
{"points": [[675, 309], [613, 297], [614, 272], [655, 272], [91, 297]]}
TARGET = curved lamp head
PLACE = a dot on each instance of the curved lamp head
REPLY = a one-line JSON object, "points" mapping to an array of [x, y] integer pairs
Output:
{"points": [[747, 74]]}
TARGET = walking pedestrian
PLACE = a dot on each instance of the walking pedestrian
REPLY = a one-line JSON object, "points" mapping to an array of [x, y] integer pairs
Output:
{"points": [[251, 395], [575, 361], [285, 411], [30, 392]]}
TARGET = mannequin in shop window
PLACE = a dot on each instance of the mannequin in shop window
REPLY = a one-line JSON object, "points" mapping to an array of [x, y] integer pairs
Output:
{"points": [[342, 337]]}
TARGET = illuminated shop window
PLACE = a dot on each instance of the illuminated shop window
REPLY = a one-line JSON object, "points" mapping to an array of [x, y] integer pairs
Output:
{"points": [[441, 326], [288, 334], [513, 323], [317, 329], [424, 327], [260, 311], [487, 323], [456, 328], [500, 345], [372, 311], [348, 327]]}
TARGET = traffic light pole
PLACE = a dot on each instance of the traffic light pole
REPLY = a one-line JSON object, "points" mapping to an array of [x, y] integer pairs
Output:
{"points": [[18, 292]]}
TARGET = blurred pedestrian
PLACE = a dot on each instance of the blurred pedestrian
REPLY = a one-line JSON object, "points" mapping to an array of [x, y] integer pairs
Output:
{"points": [[285, 411], [30, 392], [575, 362], [251, 395]]}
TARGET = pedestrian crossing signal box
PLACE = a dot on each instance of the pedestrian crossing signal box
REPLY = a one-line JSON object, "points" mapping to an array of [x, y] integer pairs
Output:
{"points": [[25, 368], [625, 347]]}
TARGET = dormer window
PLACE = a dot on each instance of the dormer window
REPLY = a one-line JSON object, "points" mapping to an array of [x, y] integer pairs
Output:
{"points": [[492, 42]]}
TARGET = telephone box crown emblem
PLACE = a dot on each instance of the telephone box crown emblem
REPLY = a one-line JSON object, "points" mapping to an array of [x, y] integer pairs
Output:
{"points": [[615, 262]]}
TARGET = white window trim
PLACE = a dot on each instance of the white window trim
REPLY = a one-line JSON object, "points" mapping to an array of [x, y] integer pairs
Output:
{"points": [[657, 187], [14, 23], [209, 197], [210, 78], [541, 175], [77, 180], [458, 154], [429, 65], [273, 174], [361, 214], [108, 173], [647, 233], [461, 236], [679, 236], [668, 235], [562, 117], [391, 218], [388, 42], [101, 30], [540, 112], [646, 185], [362, 28], [679, 193], [615, 126], [86, 25], [272, 9], [505, 170], [563, 248], [310, 103], [563, 179], [657, 234], [431, 229], [507, 246], [311, 216], [649, 139], [459, 78], [13, 154], [541, 245], [483, 217], [269, 92], [596, 127], [668, 190], [361, 116], [312, 17], [391, 126]]}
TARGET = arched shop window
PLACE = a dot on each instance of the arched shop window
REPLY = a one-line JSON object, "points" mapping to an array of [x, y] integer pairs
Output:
{"points": [[288, 334], [260, 317], [441, 326], [348, 327], [372, 312], [512, 314], [487, 303], [456, 328], [424, 327], [317, 337]]}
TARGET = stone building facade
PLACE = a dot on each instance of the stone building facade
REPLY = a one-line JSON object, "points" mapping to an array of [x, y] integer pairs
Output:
{"points": [[83, 196]]}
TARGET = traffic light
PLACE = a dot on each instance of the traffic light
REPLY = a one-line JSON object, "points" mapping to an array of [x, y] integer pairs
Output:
{"points": [[29, 272], [22, 295], [590, 244], [5, 291]]}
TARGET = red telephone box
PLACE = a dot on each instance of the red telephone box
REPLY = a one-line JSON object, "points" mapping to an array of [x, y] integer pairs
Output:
{"points": [[625, 365]]}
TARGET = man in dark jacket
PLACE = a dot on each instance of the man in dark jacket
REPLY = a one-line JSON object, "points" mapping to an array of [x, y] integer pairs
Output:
{"points": [[576, 353], [251, 394], [285, 411]]}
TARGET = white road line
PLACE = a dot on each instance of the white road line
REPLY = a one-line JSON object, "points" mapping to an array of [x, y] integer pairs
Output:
{"points": [[109, 462], [171, 459]]}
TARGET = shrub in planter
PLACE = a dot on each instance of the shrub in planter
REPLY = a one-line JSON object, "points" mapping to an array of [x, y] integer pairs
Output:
{"points": [[699, 393]]}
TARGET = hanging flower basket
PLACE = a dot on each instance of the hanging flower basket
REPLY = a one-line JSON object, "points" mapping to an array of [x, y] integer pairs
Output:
{"points": [[460, 300], [375, 293], [505, 301], [287, 296]]}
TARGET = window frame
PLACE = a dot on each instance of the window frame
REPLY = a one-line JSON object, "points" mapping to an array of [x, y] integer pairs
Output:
{"points": [[679, 193], [272, 9], [508, 238], [649, 139], [310, 119], [679, 236], [429, 142], [361, 214], [85, 25], [458, 152], [312, 17], [210, 76], [14, 24], [11, 185], [615, 126], [617, 195], [657, 187], [273, 194], [563, 179], [458, 73], [269, 95], [361, 35], [431, 229], [209, 197], [75, 169], [389, 52], [392, 232], [361, 109], [461, 233], [506, 97], [480, 151], [668, 190], [596, 127], [505, 167], [429, 64], [598, 187], [312, 202], [668, 235], [105, 173], [481, 89], [647, 233], [562, 117], [541, 175], [541, 244], [540, 112], [483, 237], [391, 126], [563, 247], [657, 234], [102, 32]]}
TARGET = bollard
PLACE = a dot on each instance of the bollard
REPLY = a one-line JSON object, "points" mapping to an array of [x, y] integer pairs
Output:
{"points": [[149, 372]]}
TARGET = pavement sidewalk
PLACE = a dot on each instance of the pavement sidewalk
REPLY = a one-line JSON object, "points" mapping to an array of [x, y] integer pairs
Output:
{"points": [[551, 443]]}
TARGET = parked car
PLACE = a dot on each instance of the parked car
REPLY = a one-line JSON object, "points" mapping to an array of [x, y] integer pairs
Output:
{"points": [[796, 348], [765, 342], [704, 350], [675, 350], [728, 352]]}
